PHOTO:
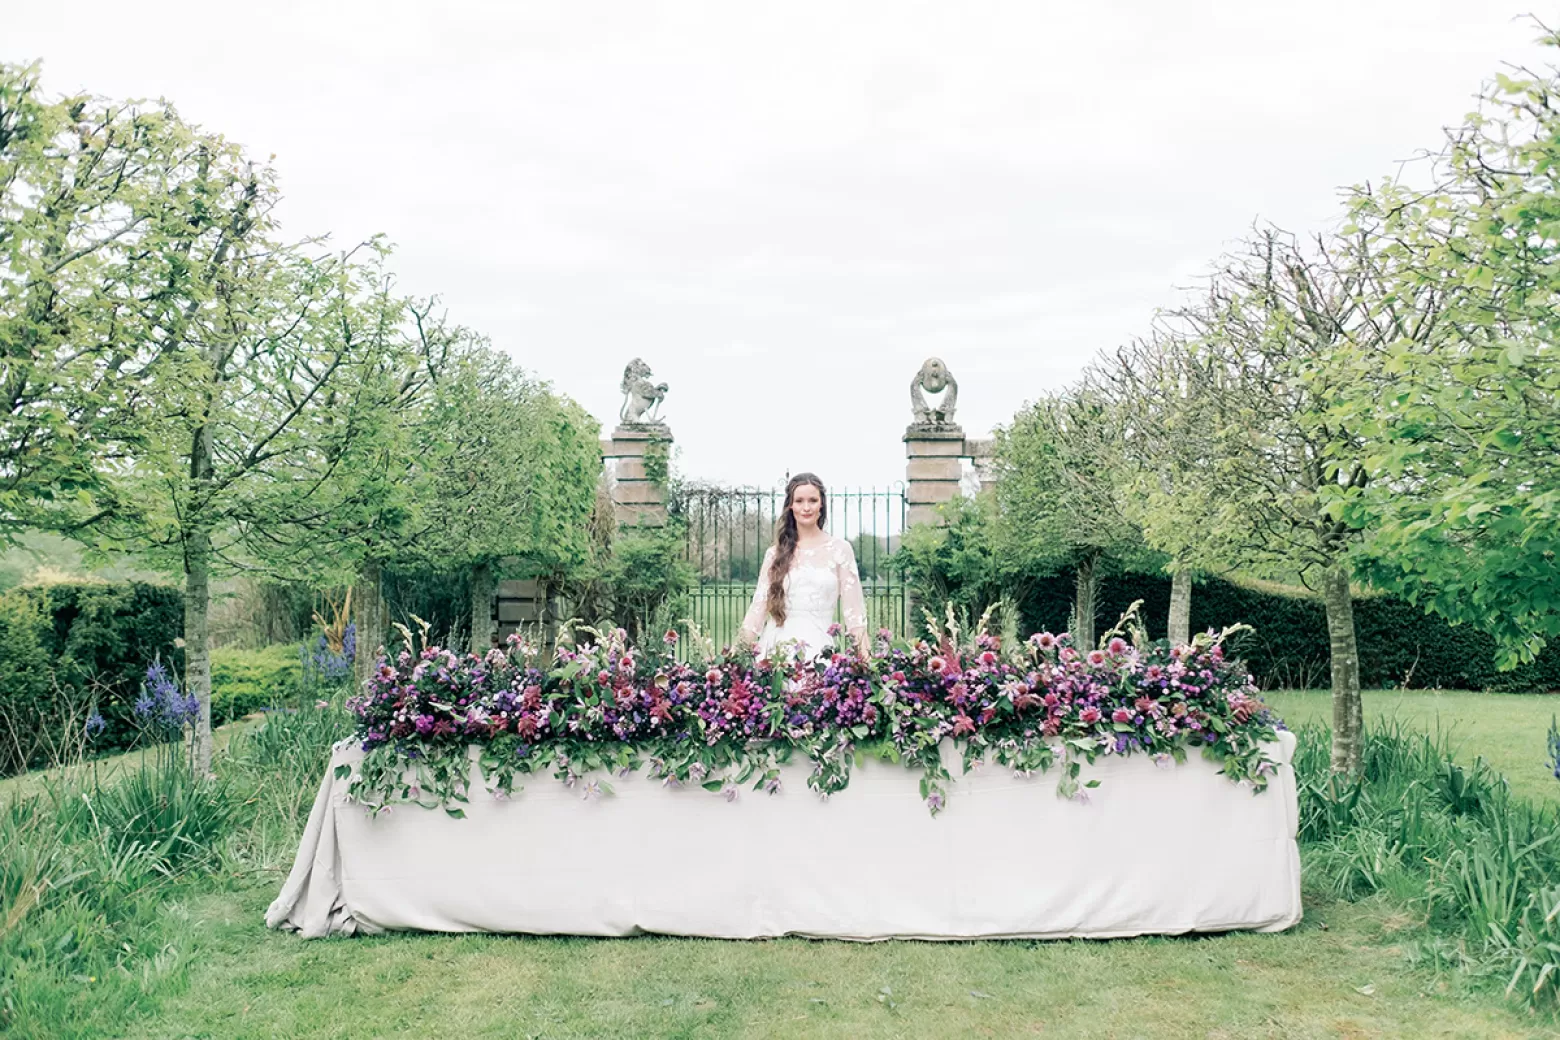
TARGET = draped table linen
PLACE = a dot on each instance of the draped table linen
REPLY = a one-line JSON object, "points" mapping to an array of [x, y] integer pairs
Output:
{"points": [[1154, 849]]}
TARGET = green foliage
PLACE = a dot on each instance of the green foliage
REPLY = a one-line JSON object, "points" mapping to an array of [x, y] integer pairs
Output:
{"points": [[646, 579], [1463, 414], [658, 462], [28, 711], [1399, 644], [85, 872], [1060, 490], [955, 563], [95, 641], [1454, 843], [245, 681]]}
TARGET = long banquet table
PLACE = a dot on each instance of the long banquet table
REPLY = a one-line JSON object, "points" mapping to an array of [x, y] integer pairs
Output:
{"points": [[1155, 849]]}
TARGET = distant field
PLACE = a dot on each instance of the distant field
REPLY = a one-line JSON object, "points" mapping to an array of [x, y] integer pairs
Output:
{"points": [[1508, 729]]}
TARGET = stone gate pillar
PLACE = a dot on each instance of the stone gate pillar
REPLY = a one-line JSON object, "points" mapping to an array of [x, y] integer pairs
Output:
{"points": [[635, 459], [637, 454]]}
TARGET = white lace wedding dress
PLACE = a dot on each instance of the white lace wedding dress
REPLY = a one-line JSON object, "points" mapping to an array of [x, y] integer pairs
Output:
{"points": [[819, 578]]}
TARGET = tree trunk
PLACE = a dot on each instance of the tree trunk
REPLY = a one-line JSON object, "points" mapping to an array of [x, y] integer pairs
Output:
{"points": [[1348, 712], [197, 641], [481, 608], [368, 614], [1084, 608], [1180, 631]]}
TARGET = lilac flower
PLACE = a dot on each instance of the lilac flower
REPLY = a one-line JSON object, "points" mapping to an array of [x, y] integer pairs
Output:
{"points": [[97, 724]]}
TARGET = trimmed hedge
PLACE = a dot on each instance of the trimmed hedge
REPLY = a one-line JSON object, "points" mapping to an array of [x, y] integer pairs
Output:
{"points": [[244, 681], [68, 649], [1400, 645]]}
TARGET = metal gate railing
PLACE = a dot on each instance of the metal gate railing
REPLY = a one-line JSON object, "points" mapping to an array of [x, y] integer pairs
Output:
{"points": [[728, 530]]}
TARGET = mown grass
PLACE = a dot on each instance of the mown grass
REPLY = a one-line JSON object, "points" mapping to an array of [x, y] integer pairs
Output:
{"points": [[1507, 729], [1341, 973], [1363, 968]]}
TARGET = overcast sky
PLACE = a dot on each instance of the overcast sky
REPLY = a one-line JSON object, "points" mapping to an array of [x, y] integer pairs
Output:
{"points": [[785, 208]]}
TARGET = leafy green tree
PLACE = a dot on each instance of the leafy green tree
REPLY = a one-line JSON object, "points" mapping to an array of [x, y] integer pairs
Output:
{"points": [[515, 480], [1059, 495], [1463, 413], [1162, 458], [87, 189], [1264, 345]]}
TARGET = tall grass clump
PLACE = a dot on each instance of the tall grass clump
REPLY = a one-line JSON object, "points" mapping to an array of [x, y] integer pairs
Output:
{"points": [[1481, 866]]}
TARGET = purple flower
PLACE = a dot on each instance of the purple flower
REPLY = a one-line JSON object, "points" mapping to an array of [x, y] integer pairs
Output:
{"points": [[97, 724]]}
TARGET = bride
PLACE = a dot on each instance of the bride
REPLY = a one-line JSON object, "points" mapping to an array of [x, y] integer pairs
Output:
{"points": [[805, 573]]}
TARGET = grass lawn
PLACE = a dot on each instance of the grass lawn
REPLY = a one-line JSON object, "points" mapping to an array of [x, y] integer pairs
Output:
{"points": [[109, 766], [1347, 980], [1348, 970], [1508, 729]]}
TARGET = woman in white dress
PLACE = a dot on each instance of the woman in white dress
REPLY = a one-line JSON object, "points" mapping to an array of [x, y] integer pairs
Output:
{"points": [[805, 573]]}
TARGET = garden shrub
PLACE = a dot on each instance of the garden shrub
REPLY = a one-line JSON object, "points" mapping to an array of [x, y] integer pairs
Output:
{"points": [[1400, 645], [89, 647], [245, 681]]}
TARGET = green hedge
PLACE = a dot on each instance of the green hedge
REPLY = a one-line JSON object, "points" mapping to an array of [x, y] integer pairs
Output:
{"points": [[70, 648], [244, 681], [1399, 643]]}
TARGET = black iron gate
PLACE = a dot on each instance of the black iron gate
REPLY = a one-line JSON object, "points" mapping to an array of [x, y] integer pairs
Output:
{"points": [[728, 530]]}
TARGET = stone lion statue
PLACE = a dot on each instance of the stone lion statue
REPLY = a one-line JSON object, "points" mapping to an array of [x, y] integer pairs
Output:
{"points": [[933, 378], [641, 397]]}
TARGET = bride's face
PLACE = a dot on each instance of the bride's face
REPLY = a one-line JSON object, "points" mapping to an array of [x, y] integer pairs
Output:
{"points": [[805, 504]]}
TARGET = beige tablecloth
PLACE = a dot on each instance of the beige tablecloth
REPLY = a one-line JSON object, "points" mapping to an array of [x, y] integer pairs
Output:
{"points": [[1155, 850]]}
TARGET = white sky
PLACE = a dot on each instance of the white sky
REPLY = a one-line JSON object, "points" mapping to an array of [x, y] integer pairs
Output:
{"points": [[785, 207]]}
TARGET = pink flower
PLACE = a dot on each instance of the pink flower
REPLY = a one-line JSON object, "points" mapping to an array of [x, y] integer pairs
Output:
{"points": [[1096, 657], [671, 636], [712, 676], [988, 658], [1089, 715], [937, 664], [1045, 641], [1118, 646], [626, 664], [963, 724], [1121, 715]]}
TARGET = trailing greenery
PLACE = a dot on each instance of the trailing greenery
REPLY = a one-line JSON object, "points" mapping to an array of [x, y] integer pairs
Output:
{"points": [[69, 650]]}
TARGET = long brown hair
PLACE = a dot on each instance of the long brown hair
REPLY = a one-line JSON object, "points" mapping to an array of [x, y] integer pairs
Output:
{"points": [[785, 541]]}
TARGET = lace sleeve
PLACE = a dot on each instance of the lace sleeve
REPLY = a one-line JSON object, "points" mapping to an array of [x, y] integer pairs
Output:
{"points": [[853, 605], [758, 610]]}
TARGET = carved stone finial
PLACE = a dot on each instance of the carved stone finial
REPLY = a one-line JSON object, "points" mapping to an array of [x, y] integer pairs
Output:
{"points": [[641, 398], [933, 378]]}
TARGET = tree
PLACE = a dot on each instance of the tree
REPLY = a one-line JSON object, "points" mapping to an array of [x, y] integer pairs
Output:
{"points": [[229, 433], [1059, 496], [85, 187], [516, 477], [1264, 349], [1463, 413], [1162, 457]]}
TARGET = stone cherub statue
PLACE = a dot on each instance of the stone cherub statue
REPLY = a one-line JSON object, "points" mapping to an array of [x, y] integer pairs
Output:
{"points": [[641, 398], [933, 378]]}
